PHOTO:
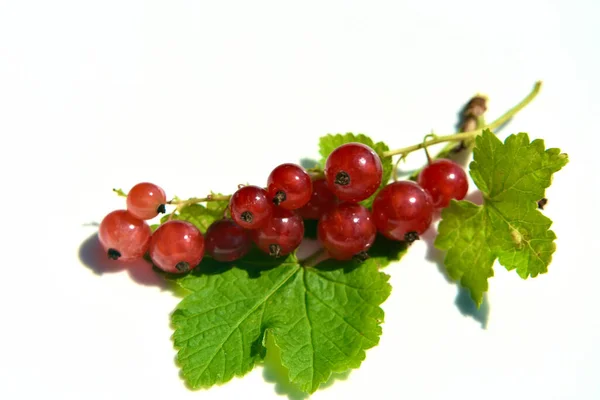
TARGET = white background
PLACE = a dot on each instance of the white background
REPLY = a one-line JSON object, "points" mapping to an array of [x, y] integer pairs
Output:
{"points": [[199, 96]]}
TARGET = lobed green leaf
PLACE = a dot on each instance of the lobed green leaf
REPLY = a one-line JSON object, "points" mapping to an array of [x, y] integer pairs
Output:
{"points": [[322, 318], [512, 176]]}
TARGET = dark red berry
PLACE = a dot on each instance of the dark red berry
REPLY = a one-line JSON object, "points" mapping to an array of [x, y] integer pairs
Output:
{"points": [[347, 231], [353, 172], [289, 186], [227, 241], [250, 207], [281, 235], [176, 246], [321, 200], [402, 211], [444, 180]]}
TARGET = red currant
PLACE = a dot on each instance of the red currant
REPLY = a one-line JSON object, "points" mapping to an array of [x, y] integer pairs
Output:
{"points": [[444, 180], [123, 236], [176, 246], [145, 200], [289, 186], [322, 200], [281, 235], [347, 231], [250, 207], [353, 172], [402, 211], [227, 241]]}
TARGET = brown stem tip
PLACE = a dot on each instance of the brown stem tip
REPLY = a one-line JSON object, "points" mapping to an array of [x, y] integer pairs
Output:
{"points": [[279, 197], [247, 216], [274, 250], [342, 178], [362, 256], [411, 236], [182, 266], [113, 254]]}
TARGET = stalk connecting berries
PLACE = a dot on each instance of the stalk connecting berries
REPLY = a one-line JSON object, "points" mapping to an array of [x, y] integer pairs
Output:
{"points": [[272, 219]]}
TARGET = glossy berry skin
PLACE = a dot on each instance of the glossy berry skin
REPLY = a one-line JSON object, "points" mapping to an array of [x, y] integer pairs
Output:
{"points": [[123, 236], [444, 180], [402, 208], [353, 172], [250, 207], [289, 186], [281, 235], [347, 231], [227, 241], [176, 247], [321, 200], [145, 200]]}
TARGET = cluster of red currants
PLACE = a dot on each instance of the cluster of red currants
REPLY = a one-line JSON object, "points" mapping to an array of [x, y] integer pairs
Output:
{"points": [[273, 218]]}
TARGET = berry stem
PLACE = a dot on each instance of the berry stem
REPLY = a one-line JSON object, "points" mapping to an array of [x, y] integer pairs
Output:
{"points": [[313, 259], [194, 200], [470, 134]]}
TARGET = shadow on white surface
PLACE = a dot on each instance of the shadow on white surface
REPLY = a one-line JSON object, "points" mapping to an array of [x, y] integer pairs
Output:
{"points": [[93, 257], [308, 163]]}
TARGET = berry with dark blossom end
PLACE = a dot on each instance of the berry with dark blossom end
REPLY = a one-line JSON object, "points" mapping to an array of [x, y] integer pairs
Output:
{"points": [[402, 211], [282, 233], [123, 236], [227, 241], [347, 231], [353, 172], [321, 200], [250, 207], [289, 186], [444, 180], [176, 247], [146, 200]]}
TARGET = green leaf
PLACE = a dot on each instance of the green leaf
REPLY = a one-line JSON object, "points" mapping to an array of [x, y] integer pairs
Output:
{"points": [[120, 192], [512, 176], [328, 143], [322, 318], [199, 215]]}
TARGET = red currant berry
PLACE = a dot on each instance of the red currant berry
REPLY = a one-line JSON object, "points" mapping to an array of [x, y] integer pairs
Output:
{"points": [[281, 235], [347, 231], [123, 236], [227, 241], [176, 246], [145, 200], [322, 200], [444, 180], [289, 186], [250, 207], [402, 211], [353, 172]]}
